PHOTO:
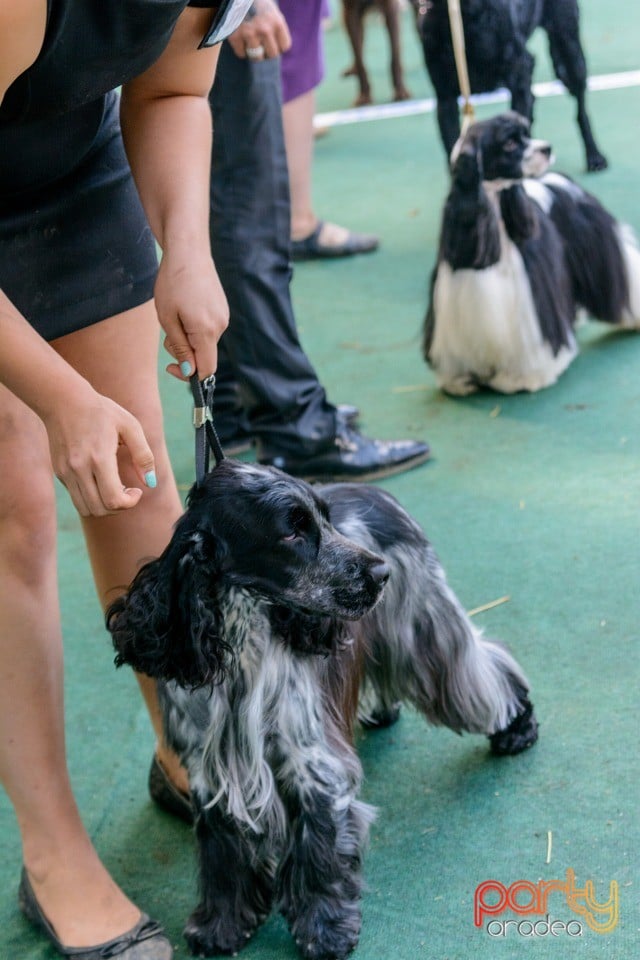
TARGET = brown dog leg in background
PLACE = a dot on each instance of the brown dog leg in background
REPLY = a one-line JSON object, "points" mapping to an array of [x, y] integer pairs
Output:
{"points": [[354, 13]]}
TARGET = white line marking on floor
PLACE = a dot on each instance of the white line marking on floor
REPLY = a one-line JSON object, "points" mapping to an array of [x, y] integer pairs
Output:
{"points": [[409, 108]]}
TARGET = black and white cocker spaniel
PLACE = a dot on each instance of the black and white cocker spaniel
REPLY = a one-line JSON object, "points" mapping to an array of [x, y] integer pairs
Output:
{"points": [[523, 253], [277, 612]]}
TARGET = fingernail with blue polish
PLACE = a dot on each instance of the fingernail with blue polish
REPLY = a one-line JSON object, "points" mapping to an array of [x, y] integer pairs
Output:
{"points": [[185, 367], [150, 479]]}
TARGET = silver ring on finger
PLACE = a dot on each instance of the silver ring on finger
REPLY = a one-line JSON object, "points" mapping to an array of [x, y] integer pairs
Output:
{"points": [[255, 53]]}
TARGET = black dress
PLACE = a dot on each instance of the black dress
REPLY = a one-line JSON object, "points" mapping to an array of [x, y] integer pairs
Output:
{"points": [[75, 246]]}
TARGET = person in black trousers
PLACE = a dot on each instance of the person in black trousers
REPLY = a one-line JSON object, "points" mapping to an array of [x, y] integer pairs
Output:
{"points": [[267, 391]]}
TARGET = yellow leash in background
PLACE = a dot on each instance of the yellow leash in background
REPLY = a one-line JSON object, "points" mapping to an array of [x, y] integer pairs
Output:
{"points": [[457, 36]]}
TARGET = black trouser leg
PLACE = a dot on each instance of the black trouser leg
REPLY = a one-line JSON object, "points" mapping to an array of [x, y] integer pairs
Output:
{"points": [[285, 402]]}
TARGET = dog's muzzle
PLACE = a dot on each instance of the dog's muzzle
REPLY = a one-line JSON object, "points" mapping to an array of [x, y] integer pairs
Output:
{"points": [[537, 158]]}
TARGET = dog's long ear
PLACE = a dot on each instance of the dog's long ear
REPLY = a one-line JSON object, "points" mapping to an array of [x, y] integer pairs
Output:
{"points": [[470, 236], [518, 214], [466, 167], [168, 625]]}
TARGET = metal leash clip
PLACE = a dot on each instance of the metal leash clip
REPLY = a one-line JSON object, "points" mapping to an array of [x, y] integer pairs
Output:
{"points": [[206, 436]]}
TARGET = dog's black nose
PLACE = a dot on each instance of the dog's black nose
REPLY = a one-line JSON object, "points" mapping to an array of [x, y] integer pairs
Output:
{"points": [[380, 573], [546, 149]]}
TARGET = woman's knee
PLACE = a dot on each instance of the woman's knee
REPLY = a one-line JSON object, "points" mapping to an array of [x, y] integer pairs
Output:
{"points": [[27, 494], [28, 529]]}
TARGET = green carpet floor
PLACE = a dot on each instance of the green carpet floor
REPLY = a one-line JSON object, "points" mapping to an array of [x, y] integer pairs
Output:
{"points": [[530, 497]]}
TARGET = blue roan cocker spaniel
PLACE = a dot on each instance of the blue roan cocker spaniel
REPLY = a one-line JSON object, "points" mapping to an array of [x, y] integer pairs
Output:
{"points": [[276, 614]]}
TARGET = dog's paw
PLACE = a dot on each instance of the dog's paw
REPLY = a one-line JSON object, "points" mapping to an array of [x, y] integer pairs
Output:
{"points": [[208, 936], [521, 733], [379, 717], [461, 386], [596, 161], [327, 930]]}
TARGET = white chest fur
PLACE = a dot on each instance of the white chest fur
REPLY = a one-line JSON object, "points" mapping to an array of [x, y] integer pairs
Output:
{"points": [[486, 330]]}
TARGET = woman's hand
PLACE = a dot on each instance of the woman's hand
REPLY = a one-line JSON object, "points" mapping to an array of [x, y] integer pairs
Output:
{"points": [[193, 313], [264, 29], [90, 437], [87, 433]]}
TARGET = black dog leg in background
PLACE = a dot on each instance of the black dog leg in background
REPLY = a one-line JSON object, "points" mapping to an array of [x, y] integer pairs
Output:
{"points": [[571, 68], [496, 33], [448, 122], [522, 98]]}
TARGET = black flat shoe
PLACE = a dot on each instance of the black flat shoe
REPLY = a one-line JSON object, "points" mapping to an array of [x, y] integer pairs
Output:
{"points": [[352, 457], [164, 792], [311, 248], [145, 941]]}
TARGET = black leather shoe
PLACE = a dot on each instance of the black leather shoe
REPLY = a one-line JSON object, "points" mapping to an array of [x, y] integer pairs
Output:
{"points": [[145, 941], [353, 457], [163, 792], [347, 414], [235, 438]]}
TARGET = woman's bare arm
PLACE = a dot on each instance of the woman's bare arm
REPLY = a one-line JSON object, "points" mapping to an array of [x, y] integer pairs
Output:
{"points": [[84, 428], [22, 27], [166, 124]]}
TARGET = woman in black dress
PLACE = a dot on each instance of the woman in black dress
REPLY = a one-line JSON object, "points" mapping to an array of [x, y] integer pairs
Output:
{"points": [[79, 309]]}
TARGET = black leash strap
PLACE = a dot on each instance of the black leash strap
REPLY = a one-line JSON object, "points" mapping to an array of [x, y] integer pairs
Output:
{"points": [[206, 436]]}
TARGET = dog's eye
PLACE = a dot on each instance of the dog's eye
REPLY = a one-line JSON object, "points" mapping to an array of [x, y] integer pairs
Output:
{"points": [[299, 523], [510, 145]]}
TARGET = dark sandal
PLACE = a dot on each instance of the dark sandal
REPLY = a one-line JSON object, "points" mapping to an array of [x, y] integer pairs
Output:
{"points": [[165, 793], [145, 941], [310, 248]]}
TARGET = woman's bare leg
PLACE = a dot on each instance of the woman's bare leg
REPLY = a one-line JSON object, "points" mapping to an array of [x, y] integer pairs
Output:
{"points": [[119, 357], [297, 116], [74, 890]]}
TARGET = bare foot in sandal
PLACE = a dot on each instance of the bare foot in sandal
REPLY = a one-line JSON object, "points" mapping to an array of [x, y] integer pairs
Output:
{"points": [[330, 240]]}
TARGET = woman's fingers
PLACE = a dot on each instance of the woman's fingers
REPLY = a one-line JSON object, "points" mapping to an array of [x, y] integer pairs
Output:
{"points": [[132, 436], [193, 313], [95, 498], [77, 497], [85, 443], [184, 357]]}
